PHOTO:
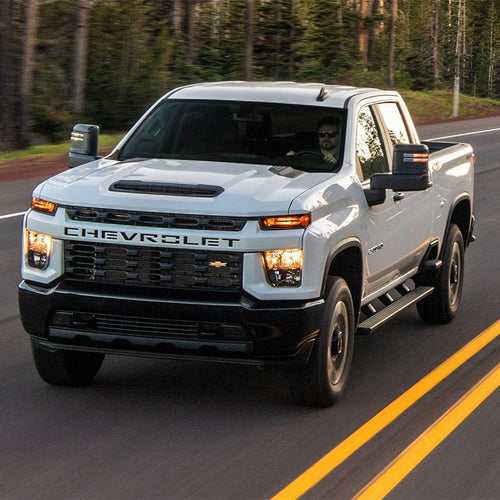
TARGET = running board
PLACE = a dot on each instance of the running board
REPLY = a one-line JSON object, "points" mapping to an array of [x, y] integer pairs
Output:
{"points": [[379, 318]]}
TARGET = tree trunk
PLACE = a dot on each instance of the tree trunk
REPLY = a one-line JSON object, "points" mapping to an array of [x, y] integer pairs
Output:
{"points": [[392, 42], [177, 19], [249, 39], [191, 8], [8, 136], [293, 36], [364, 7], [278, 42], [377, 7], [459, 51], [27, 69], [435, 42], [491, 62], [80, 54]]}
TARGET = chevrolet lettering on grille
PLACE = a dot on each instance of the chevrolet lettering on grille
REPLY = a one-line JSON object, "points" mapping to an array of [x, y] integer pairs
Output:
{"points": [[155, 238]]}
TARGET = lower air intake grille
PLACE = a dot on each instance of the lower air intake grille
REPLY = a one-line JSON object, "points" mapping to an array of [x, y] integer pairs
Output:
{"points": [[145, 327], [135, 326], [125, 325], [153, 267]]}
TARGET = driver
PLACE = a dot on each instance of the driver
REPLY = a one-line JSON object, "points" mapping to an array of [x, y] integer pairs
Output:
{"points": [[327, 132]]}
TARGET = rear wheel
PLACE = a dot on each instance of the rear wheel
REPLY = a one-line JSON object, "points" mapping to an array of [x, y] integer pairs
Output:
{"points": [[441, 306], [60, 367], [323, 380]]}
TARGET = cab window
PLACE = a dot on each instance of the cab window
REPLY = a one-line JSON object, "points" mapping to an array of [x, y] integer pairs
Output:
{"points": [[394, 123], [371, 157]]}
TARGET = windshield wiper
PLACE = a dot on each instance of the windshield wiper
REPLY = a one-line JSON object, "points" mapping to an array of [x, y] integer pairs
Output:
{"points": [[135, 158]]}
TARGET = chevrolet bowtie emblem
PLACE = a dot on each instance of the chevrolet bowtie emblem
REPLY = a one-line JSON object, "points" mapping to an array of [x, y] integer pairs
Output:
{"points": [[217, 263]]}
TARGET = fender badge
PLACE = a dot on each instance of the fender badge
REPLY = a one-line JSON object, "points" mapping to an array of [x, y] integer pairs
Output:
{"points": [[217, 264], [376, 248]]}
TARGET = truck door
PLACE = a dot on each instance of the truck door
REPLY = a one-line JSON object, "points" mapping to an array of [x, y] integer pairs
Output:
{"points": [[392, 244], [417, 206]]}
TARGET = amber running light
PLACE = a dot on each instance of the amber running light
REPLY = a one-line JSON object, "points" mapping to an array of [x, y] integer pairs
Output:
{"points": [[286, 222], [47, 207]]}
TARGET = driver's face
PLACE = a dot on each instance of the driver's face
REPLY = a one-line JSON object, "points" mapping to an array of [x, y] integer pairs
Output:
{"points": [[327, 137]]}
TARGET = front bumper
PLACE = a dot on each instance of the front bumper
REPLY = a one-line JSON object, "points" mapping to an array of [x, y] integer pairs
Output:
{"points": [[234, 330]]}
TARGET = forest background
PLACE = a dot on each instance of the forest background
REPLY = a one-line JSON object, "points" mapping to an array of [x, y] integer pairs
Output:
{"points": [[106, 61]]}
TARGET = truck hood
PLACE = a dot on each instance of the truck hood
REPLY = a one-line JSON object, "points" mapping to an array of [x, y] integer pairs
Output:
{"points": [[221, 188]]}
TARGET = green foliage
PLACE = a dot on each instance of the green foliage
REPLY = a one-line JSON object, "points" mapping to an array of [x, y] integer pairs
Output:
{"points": [[122, 53], [51, 106], [326, 51], [230, 42], [485, 27], [135, 55], [276, 25]]}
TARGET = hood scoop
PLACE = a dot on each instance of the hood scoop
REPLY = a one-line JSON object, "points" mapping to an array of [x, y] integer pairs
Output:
{"points": [[167, 189]]}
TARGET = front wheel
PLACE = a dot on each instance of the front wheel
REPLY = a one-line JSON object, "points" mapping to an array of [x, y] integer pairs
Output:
{"points": [[324, 378], [441, 306], [60, 367]]}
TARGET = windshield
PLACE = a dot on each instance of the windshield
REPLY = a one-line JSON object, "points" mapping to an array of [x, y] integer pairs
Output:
{"points": [[304, 137]]}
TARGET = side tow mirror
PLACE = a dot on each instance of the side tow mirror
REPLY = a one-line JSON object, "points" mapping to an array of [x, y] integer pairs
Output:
{"points": [[410, 170], [84, 142]]}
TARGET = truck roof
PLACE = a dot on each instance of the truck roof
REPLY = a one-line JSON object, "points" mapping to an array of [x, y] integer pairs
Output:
{"points": [[314, 94]]}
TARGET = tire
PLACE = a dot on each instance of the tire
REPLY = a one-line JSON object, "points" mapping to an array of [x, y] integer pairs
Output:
{"points": [[442, 305], [323, 380], [70, 368]]}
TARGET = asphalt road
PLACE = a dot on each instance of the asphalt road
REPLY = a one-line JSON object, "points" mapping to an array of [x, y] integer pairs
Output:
{"points": [[162, 429]]}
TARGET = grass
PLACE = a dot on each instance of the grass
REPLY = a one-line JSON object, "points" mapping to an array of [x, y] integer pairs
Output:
{"points": [[105, 141], [425, 107], [437, 106]]}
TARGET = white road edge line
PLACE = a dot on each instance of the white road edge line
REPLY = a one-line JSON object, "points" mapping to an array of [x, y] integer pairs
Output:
{"points": [[465, 133], [8, 216]]}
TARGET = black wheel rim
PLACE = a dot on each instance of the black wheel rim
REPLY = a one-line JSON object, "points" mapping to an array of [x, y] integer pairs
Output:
{"points": [[339, 343], [454, 276]]}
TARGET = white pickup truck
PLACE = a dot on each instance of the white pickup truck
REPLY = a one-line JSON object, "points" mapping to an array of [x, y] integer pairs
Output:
{"points": [[256, 223]]}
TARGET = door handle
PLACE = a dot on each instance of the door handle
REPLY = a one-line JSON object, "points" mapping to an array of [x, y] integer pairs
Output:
{"points": [[398, 196]]}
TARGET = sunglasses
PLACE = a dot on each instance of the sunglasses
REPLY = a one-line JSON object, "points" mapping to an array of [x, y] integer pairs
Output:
{"points": [[327, 134]]}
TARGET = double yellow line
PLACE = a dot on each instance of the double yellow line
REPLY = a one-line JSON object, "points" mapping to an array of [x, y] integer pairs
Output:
{"points": [[346, 448], [401, 466]]}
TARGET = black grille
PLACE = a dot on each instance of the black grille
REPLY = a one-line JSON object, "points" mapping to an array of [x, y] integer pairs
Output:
{"points": [[125, 325], [158, 267], [152, 219], [145, 327], [167, 189], [113, 324]]}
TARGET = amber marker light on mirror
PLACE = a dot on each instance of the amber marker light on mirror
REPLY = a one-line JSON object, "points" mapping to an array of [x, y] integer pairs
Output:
{"points": [[47, 207], [286, 222], [416, 157]]}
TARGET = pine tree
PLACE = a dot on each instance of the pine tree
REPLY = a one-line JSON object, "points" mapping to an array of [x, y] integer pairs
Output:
{"points": [[325, 51], [276, 28], [27, 70], [8, 59]]}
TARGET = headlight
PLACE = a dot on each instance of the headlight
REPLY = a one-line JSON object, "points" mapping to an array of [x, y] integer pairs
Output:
{"points": [[38, 248], [284, 267]]}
